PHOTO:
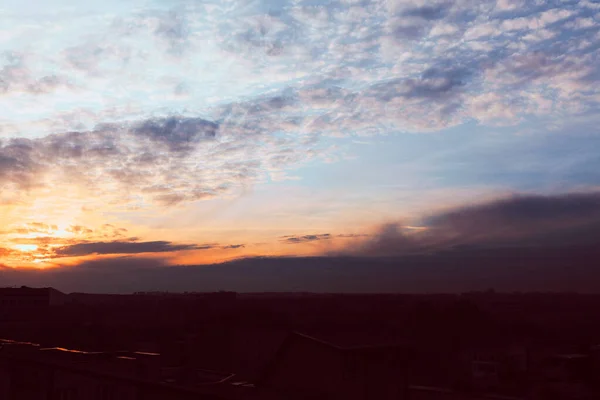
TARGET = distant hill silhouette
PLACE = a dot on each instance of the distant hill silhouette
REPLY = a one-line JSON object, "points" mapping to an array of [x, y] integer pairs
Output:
{"points": [[464, 268]]}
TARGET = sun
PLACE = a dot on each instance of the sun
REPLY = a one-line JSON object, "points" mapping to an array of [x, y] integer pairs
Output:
{"points": [[26, 248]]}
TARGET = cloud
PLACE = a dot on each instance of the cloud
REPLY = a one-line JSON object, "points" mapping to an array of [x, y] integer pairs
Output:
{"points": [[77, 248], [436, 83], [274, 91], [352, 235], [5, 252], [305, 238], [233, 246], [444, 29], [177, 134], [172, 27], [259, 43], [103, 240], [522, 269], [15, 76], [121, 247], [18, 164], [525, 210], [32, 227], [207, 246], [541, 222], [155, 161], [41, 241], [153, 158], [264, 33], [509, 5], [522, 242], [430, 12], [297, 239], [79, 230]]}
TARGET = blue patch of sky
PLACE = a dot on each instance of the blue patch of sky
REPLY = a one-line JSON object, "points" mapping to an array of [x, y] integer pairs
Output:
{"points": [[468, 155]]}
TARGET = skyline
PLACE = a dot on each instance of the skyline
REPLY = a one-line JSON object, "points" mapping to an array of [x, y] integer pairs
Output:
{"points": [[190, 133]]}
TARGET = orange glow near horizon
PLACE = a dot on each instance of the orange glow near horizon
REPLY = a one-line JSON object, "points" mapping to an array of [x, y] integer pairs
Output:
{"points": [[58, 231], [41, 252]]}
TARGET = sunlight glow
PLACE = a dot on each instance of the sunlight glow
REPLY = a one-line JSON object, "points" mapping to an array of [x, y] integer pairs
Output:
{"points": [[26, 247]]}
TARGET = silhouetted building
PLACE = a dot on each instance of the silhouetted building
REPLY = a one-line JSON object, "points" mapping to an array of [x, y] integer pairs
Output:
{"points": [[26, 297]]}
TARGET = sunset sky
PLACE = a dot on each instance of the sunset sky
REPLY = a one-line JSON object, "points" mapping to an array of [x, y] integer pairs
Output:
{"points": [[195, 132]]}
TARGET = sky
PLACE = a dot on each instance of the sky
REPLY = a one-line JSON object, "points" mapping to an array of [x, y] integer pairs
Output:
{"points": [[185, 132]]}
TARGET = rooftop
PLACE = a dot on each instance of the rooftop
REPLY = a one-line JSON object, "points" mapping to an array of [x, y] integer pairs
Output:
{"points": [[92, 362], [352, 347], [27, 291], [8, 341]]}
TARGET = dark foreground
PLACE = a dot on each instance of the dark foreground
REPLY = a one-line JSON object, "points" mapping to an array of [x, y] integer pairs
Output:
{"points": [[298, 346]]}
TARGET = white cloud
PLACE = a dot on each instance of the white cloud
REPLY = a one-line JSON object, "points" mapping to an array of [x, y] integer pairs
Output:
{"points": [[509, 5], [443, 29], [482, 30], [277, 78]]}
